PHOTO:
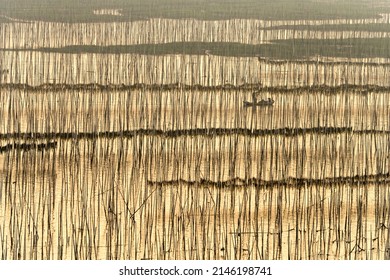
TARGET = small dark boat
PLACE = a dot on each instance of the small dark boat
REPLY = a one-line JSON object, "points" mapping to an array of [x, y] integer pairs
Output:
{"points": [[261, 103]]}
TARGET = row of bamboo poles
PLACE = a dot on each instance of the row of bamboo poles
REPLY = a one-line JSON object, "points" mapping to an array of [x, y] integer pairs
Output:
{"points": [[359, 110], [267, 158], [36, 68], [90, 199], [16, 35], [380, 18], [222, 158], [112, 12]]}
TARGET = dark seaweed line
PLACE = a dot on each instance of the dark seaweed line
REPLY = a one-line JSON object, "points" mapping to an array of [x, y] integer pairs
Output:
{"points": [[238, 182], [229, 87], [27, 147], [208, 132], [319, 62]]}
